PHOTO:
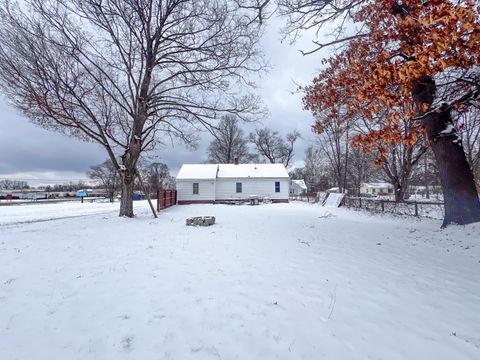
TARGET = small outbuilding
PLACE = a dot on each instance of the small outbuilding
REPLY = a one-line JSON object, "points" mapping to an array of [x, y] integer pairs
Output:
{"points": [[376, 188], [210, 183], [297, 187]]}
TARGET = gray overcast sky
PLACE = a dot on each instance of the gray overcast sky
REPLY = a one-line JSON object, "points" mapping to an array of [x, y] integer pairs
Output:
{"points": [[31, 153]]}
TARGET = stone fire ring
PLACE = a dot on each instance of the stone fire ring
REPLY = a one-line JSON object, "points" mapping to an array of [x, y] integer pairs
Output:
{"points": [[201, 221]]}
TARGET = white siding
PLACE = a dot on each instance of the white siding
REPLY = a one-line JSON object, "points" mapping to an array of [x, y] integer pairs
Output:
{"points": [[226, 188], [185, 190], [296, 189]]}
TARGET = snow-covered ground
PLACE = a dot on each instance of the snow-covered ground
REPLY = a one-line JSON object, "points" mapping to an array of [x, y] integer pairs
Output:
{"points": [[278, 281], [36, 212]]}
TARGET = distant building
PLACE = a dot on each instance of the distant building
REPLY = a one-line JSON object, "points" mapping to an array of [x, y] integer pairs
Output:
{"points": [[210, 183], [93, 193], [297, 187], [376, 188], [333, 190]]}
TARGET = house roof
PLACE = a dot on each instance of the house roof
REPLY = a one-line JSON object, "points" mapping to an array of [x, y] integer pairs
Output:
{"points": [[197, 171], [228, 171], [300, 183]]}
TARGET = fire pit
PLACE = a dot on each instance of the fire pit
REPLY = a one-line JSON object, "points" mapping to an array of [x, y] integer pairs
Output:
{"points": [[201, 221]]}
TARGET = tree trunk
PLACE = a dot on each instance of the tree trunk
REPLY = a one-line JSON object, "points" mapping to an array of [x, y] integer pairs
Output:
{"points": [[427, 189], [126, 202], [462, 205], [406, 186], [399, 192]]}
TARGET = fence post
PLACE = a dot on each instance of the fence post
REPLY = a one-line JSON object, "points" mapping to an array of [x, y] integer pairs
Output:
{"points": [[416, 208], [360, 201], [383, 206]]}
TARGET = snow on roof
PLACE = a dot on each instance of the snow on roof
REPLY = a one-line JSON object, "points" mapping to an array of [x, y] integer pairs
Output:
{"points": [[252, 171], [209, 171], [197, 171], [300, 183], [334, 189]]}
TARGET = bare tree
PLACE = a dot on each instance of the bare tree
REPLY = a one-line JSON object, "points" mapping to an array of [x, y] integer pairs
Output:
{"points": [[106, 174], [229, 143], [316, 173], [305, 15], [271, 146], [359, 170], [128, 74], [7, 184], [469, 130], [290, 141], [333, 144], [157, 177], [65, 187], [425, 176], [400, 159], [297, 174]]}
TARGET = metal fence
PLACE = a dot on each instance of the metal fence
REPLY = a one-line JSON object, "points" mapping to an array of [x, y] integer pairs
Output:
{"points": [[166, 198], [429, 209]]}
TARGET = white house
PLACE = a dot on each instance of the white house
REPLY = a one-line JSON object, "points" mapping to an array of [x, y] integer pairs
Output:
{"points": [[378, 188], [297, 187], [209, 183]]}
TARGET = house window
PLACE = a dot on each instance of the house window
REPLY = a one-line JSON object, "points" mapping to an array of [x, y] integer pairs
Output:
{"points": [[277, 186], [239, 187], [195, 188]]}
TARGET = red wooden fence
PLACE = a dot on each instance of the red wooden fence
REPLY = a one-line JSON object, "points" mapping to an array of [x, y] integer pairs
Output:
{"points": [[166, 198]]}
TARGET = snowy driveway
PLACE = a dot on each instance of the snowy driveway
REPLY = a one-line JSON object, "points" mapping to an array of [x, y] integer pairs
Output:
{"points": [[280, 281]]}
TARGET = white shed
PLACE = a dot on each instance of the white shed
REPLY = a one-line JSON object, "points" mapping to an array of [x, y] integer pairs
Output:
{"points": [[209, 183], [298, 187], [377, 188]]}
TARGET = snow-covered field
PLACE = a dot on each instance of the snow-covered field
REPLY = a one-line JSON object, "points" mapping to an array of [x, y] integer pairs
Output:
{"points": [[279, 281], [36, 212]]}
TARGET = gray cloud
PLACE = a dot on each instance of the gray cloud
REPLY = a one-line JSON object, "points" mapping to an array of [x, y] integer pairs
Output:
{"points": [[26, 147]]}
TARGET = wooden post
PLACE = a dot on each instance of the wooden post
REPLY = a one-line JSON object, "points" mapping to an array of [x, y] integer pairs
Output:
{"points": [[383, 205], [416, 208], [360, 201], [147, 194]]}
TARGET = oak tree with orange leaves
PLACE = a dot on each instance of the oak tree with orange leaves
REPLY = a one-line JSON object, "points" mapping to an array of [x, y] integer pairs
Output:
{"points": [[422, 56]]}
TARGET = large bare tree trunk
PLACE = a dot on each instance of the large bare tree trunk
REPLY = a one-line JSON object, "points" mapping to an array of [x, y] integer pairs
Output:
{"points": [[462, 205], [126, 202], [399, 191]]}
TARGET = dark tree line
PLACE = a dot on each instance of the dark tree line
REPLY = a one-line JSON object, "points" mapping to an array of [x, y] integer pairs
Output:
{"points": [[66, 187], [7, 184]]}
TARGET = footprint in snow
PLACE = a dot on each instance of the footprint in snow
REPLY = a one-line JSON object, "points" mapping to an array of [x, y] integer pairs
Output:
{"points": [[127, 343], [9, 281]]}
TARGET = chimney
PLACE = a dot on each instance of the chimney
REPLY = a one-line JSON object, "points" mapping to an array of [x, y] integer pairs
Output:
{"points": [[235, 160]]}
